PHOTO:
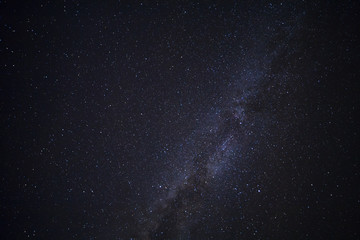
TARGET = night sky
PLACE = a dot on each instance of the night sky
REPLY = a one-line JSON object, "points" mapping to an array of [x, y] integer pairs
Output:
{"points": [[179, 120]]}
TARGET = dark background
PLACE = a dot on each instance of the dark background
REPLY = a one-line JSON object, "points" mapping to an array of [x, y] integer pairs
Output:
{"points": [[103, 103]]}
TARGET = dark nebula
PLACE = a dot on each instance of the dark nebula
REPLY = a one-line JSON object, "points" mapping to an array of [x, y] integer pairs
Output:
{"points": [[179, 120]]}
